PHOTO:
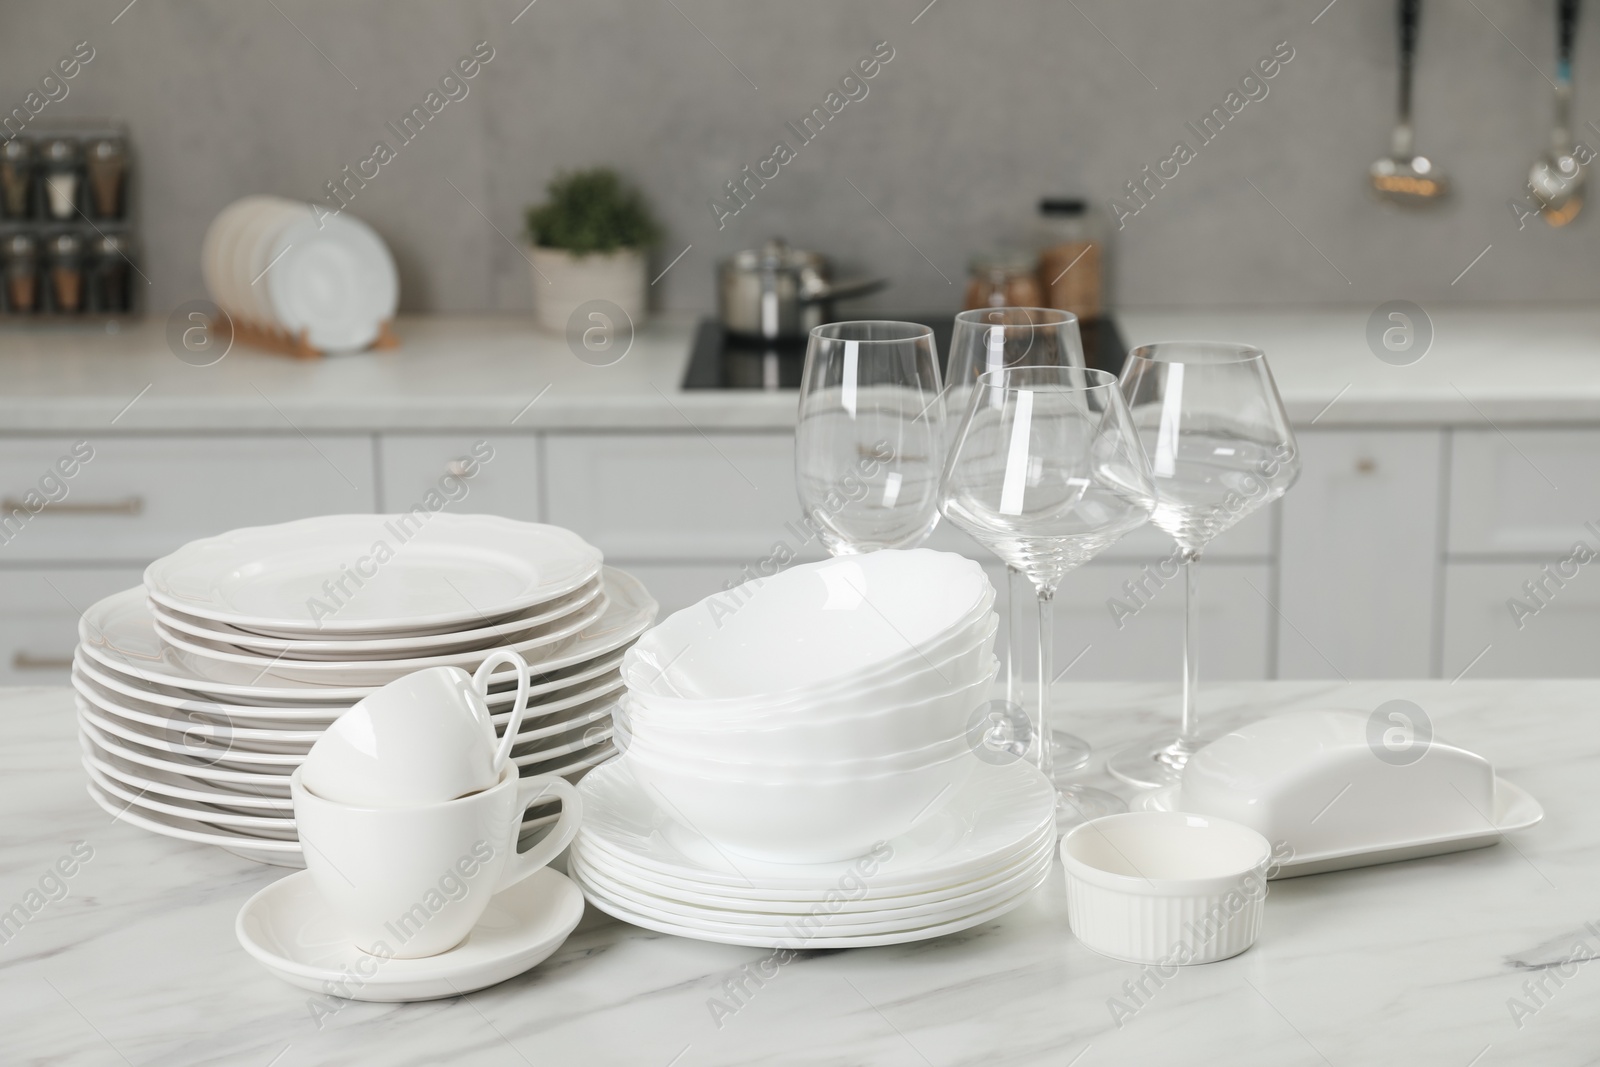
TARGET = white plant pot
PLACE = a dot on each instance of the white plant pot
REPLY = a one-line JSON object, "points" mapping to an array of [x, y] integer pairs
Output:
{"points": [[562, 282]]}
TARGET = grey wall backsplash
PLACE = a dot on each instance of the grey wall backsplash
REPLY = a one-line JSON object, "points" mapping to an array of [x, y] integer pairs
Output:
{"points": [[973, 111]]}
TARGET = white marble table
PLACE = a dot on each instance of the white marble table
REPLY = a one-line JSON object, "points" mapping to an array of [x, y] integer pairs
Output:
{"points": [[1415, 963]]}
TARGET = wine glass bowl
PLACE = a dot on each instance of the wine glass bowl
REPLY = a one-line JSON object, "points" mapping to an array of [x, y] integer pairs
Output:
{"points": [[869, 442]]}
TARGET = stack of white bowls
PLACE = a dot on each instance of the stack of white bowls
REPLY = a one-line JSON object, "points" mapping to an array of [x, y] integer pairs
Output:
{"points": [[821, 712], [291, 267], [807, 719]]}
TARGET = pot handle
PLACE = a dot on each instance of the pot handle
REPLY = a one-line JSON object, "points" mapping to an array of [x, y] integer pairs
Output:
{"points": [[846, 290]]}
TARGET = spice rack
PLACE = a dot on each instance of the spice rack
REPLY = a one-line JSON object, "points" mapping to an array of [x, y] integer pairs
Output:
{"points": [[67, 252]]}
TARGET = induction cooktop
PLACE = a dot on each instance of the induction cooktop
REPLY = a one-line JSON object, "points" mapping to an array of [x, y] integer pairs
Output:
{"points": [[720, 361]]}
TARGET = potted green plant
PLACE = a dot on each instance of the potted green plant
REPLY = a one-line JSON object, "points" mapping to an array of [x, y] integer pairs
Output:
{"points": [[588, 242]]}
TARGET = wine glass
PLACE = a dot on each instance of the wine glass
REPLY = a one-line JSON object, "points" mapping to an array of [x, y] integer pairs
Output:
{"points": [[1220, 447], [989, 339], [869, 444], [1046, 472]]}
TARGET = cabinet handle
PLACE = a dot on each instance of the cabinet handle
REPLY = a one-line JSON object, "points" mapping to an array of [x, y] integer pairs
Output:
{"points": [[133, 505], [26, 661], [1366, 466]]}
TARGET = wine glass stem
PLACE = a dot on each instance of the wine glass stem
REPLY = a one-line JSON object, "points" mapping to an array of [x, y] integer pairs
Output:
{"points": [[1046, 648], [1190, 732], [1018, 592]]}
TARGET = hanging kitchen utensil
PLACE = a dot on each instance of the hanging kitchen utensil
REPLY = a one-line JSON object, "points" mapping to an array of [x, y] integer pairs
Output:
{"points": [[1404, 177], [1557, 177]]}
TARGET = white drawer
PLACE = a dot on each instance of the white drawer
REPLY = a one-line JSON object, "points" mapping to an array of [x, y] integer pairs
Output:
{"points": [[137, 498], [39, 625], [1360, 556], [1529, 491], [490, 473], [680, 496], [1554, 636]]}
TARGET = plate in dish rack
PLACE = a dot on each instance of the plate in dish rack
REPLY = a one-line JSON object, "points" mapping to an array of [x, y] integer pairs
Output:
{"points": [[1514, 809]]}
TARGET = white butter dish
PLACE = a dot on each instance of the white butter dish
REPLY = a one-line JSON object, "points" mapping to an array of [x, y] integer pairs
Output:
{"points": [[1317, 782]]}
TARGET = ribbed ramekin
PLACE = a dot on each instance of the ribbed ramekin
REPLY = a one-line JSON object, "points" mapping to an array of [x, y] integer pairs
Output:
{"points": [[1165, 888]]}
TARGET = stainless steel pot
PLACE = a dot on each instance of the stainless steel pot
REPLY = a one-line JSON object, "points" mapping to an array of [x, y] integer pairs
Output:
{"points": [[779, 293]]}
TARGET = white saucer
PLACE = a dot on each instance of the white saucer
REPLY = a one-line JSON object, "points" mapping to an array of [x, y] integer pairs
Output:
{"points": [[1514, 810], [286, 927]]}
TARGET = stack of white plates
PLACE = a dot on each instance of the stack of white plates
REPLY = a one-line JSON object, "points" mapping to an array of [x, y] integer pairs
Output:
{"points": [[274, 263], [805, 717], [982, 853], [201, 692]]}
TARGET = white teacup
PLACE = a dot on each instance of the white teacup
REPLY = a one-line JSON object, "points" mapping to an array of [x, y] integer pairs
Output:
{"points": [[420, 739], [412, 882]]}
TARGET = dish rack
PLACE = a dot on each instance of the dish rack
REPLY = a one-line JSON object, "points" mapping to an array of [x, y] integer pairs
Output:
{"points": [[281, 341]]}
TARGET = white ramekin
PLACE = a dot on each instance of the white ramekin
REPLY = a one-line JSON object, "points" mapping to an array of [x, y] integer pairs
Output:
{"points": [[1165, 888]]}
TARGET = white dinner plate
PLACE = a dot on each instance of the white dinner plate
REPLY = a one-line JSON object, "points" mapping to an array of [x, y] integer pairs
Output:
{"points": [[373, 575], [482, 637], [177, 786], [844, 909], [119, 633], [215, 250], [998, 809], [334, 279], [206, 722], [270, 827], [551, 637], [860, 893], [773, 939], [287, 928], [1514, 809], [820, 921], [259, 227], [201, 770], [207, 745], [546, 694]]}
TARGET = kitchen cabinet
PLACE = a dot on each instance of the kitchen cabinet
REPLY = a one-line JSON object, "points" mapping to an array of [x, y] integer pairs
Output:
{"points": [[683, 496], [1524, 491], [1494, 628], [39, 622], [132, 499], [1360, 556], [509, 482]]}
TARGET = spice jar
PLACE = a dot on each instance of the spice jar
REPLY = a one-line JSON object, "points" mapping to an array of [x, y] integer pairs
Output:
{"points": [[62, 173], [1002, 279], [16, 177], [66, 272], [109, 290], [22, 273], [1072, 259], [107, 166]]}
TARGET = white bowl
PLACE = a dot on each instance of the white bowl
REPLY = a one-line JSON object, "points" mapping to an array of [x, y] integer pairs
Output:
{"points": [[824, 769], [818, 624], [1165, 888], [935, 674], [827, 735], [803, 821]]}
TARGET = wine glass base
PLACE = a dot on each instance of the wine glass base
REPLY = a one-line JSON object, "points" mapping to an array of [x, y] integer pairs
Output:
{"points": [[1152, 764], [1080, 803], [1068, 753]]}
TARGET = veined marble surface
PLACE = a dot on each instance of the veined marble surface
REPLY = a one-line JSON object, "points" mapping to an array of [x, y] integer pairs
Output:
{"points": [[1417, 962], [1504, 366]]}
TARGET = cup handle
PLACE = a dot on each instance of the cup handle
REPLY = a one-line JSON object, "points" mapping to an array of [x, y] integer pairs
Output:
{"points": [[480, 682], [522, 864]]}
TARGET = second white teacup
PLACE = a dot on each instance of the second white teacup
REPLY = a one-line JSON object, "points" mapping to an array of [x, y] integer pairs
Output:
{"points": [[423, 738], [412, 882]]}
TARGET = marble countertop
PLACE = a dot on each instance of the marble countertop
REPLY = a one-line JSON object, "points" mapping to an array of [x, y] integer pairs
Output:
{"points": [[1419, 962], [1504, 366]]}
